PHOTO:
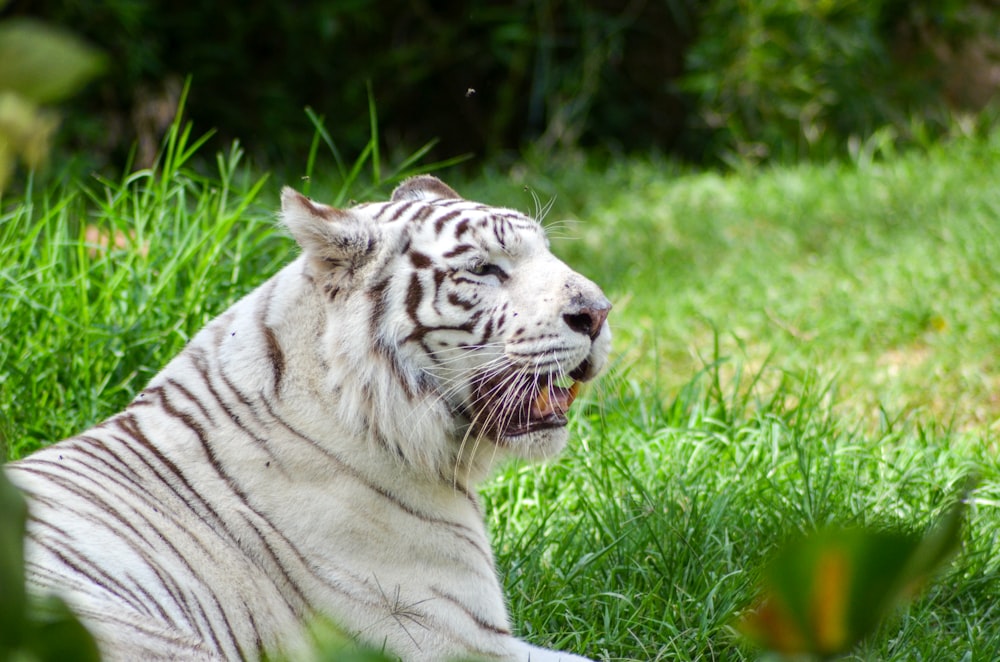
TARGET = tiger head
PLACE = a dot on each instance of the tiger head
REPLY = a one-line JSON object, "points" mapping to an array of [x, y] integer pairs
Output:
{"points": [[470, 320]]}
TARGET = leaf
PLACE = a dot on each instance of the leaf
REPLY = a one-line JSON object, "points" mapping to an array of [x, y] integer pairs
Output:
{"points": [[44, 631], [58, 635], [939, 544], [822, 594], [13, 608], [44, 63], [26, 127], [333, 644]]}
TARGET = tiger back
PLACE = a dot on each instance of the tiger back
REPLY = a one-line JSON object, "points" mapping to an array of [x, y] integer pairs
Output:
{"points": [[315, 449]]}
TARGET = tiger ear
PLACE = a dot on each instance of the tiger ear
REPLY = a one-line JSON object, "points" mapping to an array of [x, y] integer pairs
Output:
{"points": [[424, 187], [335, 237]]}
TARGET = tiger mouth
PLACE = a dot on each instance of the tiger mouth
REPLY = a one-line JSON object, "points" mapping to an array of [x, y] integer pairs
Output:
{"points": [[516, 404]]}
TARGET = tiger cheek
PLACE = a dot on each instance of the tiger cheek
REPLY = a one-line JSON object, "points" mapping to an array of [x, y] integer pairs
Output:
{"points": [[502, 325]]}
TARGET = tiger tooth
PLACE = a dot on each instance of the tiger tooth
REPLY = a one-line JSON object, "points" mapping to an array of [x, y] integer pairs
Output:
{"points": [[571, 393], [543, 400]]}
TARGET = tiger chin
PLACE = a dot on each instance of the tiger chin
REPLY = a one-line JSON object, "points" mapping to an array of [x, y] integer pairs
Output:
{"points": [[314, 450]]}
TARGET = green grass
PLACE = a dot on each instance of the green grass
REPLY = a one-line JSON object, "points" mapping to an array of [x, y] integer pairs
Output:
{"points": [[85, 325], [794, 347]]}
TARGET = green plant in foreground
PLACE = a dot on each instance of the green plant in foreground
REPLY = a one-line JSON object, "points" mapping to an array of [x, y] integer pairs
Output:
{"points": [[30, 630], [824, 593], [39, 64]]}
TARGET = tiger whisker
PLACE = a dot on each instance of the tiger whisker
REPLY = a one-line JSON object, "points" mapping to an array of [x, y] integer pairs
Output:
{"points": [[498, 415]]}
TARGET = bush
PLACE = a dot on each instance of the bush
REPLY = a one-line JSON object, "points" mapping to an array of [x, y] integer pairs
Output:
{"points": [[790, 79], [481, 77], [706, 80]]}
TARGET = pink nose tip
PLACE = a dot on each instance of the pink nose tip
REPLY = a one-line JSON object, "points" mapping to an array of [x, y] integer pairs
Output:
{"points": [[589, 319]]}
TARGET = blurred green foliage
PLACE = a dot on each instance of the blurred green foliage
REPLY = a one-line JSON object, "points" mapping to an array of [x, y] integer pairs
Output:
{"points": [[32, 630], [823, 593], [39, 64], [711, 81], [793, 79], [483, 77]]}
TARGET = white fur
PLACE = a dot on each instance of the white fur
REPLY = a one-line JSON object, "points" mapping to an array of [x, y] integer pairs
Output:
{"points": [[338, 494]]}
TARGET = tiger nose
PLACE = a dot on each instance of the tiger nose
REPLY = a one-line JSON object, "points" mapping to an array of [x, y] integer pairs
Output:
{"points": [[589, 317]]}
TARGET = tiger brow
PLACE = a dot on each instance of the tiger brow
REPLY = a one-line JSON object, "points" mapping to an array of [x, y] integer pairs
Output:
{"points": [[517, 223]]}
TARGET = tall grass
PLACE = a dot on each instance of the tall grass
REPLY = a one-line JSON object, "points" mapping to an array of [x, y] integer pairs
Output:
{"points": [[795, 347], [102, 281], [650, 535]]}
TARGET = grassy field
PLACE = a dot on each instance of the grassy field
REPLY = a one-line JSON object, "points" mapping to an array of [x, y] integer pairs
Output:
{"points": [[794, 347]]}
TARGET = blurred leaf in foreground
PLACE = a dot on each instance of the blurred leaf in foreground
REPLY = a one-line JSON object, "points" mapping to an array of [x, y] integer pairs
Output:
{"points": [[332, 644], [39, 631], [13, 514], [822, 594], [42, 63], [39, 64], [25, 130]]}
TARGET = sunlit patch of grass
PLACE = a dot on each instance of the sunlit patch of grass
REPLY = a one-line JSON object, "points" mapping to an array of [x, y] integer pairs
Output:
{"points": [[86, 322]]}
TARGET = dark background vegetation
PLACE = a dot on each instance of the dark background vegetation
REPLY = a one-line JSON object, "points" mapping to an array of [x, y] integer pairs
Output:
{"points": [[708, 81]]}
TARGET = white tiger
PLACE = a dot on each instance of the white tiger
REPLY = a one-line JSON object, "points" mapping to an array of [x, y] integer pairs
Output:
{"points": [[314, 449]]}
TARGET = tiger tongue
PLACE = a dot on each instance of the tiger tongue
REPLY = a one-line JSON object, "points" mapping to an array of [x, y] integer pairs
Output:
{"points": [[554, 400]]}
